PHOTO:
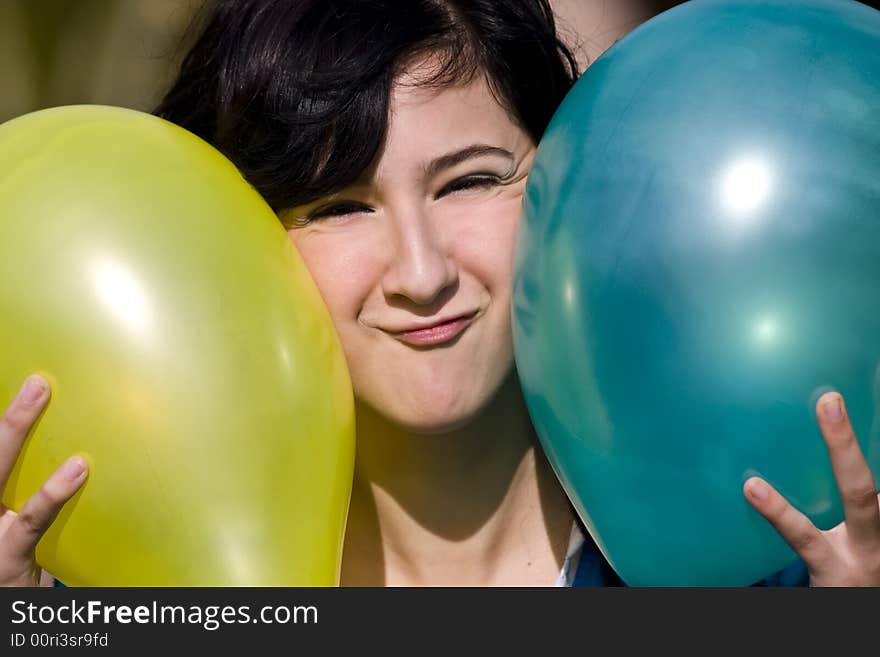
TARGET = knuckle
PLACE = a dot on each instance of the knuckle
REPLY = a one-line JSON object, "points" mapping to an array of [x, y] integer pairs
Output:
{"points": [[779, 509], [803, 542], [41, 509], [16, 421], [860, 495], [804, 537], [49, 496], [841, 438], [30, 522]]}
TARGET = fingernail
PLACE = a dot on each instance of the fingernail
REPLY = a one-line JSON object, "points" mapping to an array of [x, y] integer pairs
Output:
{"points": [[833, 410], [32, 390], [74, 467], [758, 489]]}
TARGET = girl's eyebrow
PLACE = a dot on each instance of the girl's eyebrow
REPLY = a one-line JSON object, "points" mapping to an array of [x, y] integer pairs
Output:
{"points": [[456, 157]]}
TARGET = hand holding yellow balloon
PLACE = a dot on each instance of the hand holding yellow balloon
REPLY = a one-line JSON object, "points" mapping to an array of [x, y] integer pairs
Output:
{"points": [[192, 361]]}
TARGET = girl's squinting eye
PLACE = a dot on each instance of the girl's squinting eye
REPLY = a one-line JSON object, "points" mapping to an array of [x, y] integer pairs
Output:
{"points": [[480, 181], [338, 209]]}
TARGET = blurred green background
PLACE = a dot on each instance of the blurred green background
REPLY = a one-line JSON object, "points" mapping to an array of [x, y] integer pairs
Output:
{"points": [[61, 52], [125, 52]]}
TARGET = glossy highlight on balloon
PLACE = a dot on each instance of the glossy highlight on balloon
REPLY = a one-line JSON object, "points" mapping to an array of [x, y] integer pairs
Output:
{"points": [[191, 358], [697, 262]]}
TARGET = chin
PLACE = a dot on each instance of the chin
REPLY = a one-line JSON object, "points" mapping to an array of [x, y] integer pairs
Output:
{"points": [[432, 401], [435, 424], [434, 416]]}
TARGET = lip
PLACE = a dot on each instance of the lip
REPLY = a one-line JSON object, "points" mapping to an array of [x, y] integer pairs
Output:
{"points": [[436, 333]]}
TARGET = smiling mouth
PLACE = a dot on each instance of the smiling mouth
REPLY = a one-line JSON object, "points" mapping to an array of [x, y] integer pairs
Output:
{"points": [[436, 334]]}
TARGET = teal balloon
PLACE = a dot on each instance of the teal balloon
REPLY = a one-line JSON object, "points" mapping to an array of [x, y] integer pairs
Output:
{"points": [[698, 260]]}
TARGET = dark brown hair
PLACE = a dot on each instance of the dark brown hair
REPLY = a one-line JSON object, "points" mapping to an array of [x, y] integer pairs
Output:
{"points": [[296, 92]]}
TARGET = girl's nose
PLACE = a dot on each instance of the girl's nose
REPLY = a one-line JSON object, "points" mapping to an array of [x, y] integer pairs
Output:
{"points": [[421, 266]]}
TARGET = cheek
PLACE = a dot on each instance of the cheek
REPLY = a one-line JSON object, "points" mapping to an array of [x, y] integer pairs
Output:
{"points": [[485, 242], [342, 271]]}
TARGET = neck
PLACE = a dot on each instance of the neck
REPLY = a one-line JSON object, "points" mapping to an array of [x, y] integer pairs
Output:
{"points": [[479, 505]]}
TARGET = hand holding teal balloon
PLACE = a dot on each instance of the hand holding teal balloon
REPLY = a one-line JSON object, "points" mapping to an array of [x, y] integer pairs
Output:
{"points": [[697, 263], [849, 553]]}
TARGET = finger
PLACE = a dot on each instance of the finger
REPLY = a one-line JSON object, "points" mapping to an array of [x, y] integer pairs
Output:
{"points": [[40, 510], [17, 420], [858, 491], [794, 527]]}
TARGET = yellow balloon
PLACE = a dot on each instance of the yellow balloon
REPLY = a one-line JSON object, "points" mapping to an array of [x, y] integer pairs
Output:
{"points": [[192, 360]]}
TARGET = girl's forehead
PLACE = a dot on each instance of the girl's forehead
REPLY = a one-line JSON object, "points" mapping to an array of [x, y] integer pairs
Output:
{"points": [[461, 108]]}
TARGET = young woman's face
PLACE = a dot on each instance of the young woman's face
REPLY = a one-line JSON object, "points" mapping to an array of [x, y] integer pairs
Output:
{"points": [[414, 261]]}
